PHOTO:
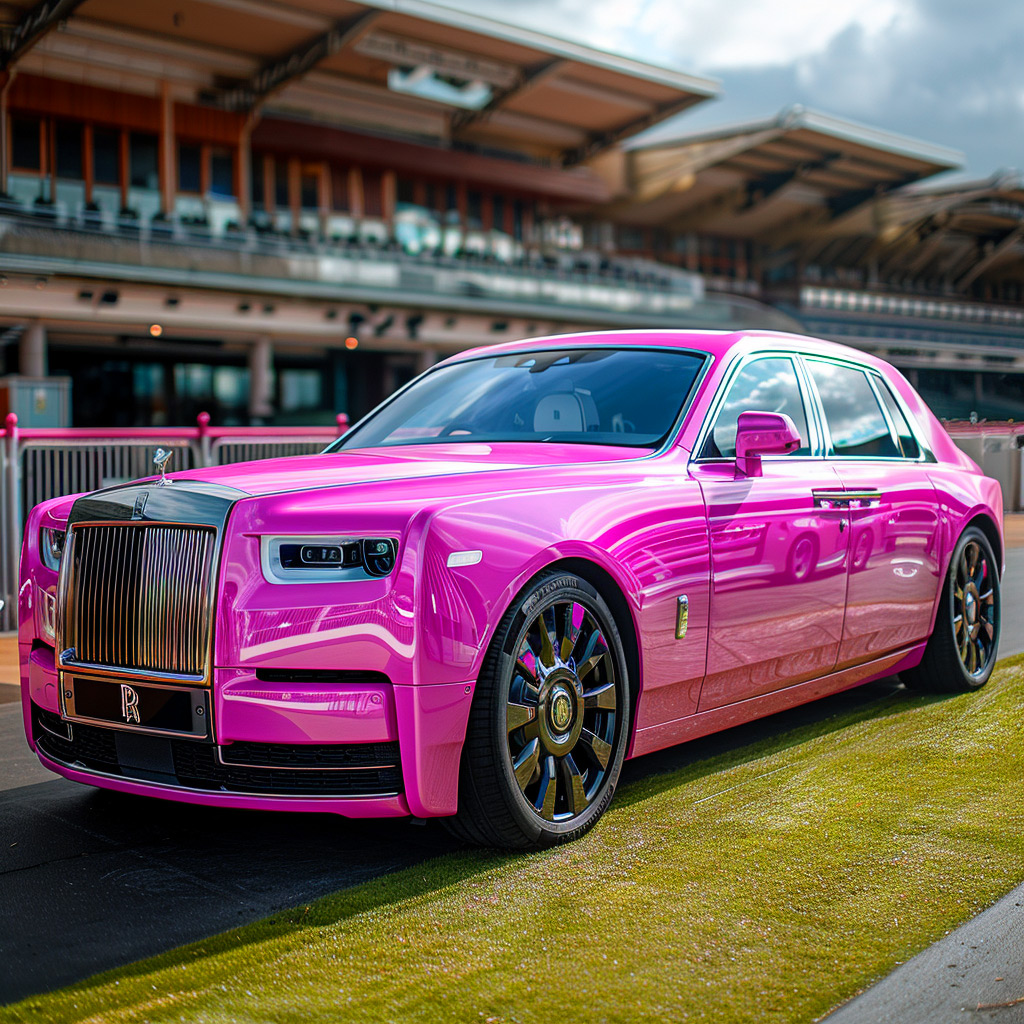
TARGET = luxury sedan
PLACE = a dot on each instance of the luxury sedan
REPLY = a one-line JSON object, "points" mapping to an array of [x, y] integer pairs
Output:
{"points": [[536, 560]]}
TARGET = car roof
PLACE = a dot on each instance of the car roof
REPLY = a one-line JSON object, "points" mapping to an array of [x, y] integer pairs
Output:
{"points": [[718, 344]]}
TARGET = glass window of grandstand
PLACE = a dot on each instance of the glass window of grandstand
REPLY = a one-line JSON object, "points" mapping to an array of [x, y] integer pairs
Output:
{"points": [[190, 161], [854, 417], [309, 200], [143, 176], [69, 167], [416, 227], [282, 198], [25, 182], [222, 173], [106, 177], [257, 184]]}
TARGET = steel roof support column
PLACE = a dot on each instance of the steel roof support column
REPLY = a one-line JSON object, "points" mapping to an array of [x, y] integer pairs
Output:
{"points": [[32, 351], [261, 360]]}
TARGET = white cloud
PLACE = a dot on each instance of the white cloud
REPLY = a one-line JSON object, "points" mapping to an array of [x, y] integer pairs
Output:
{"points": [[701, 34]]}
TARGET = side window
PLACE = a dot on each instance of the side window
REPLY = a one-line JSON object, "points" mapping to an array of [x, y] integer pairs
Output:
{"points": [[908, 443], [765, 385], [854, 417]]}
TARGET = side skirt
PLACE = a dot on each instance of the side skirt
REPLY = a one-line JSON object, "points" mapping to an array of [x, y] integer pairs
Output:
{"points": [[657, 737]]}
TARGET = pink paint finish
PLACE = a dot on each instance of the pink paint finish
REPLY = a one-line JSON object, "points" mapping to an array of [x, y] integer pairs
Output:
{"points": [[789, 596]]}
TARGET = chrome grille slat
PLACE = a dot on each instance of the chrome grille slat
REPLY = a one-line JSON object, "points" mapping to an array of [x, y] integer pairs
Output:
{"points": [[139, 597]]}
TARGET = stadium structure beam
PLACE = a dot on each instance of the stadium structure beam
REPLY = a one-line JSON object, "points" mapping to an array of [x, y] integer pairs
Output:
{"points": [[761, 189], [278, 73], [600, 141], [32, 26], [991, 251], [527, 80]]}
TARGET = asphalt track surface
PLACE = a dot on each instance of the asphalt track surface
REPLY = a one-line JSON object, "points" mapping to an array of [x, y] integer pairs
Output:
{"points": [[90, 880]]}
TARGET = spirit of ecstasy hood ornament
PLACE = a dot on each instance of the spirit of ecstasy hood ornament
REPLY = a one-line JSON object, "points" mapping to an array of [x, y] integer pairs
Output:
{"points": [[160, 459]]}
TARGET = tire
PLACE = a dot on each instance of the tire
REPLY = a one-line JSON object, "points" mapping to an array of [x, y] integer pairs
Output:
{"points": [[962, 649], [549, 723]]}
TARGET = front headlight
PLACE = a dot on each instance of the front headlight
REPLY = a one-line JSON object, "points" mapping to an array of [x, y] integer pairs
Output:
{"points": [[326, 559], [51, 547]]}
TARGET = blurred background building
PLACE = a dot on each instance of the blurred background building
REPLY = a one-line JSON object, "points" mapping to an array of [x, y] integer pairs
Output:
{"points": [[275, 210]]}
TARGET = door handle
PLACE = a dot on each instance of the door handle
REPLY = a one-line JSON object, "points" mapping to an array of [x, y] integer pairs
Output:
{"points": [[827, 498]]}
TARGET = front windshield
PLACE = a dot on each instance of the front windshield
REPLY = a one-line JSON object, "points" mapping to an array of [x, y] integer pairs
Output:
{"points": [[582, 396]]}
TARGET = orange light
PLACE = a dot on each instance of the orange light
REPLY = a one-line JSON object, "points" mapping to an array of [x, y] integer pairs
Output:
{"points": [[351, 343], [156, 330]]}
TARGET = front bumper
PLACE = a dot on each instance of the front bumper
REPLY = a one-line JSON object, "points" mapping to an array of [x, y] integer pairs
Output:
{"points": [[363, 747]]}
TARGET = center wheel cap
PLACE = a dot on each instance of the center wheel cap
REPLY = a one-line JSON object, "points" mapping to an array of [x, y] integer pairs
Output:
{"points": [[561, 711]]}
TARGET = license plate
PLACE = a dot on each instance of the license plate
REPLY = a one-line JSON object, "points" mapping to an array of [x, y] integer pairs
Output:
{"points": [[142, 707]]}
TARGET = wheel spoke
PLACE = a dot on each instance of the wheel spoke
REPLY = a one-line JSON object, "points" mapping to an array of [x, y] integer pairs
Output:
{"points": [[988, 629], [575, 794], [604, 698], [545, 802], [958, 625], [525, 764], [517, 715], [598, 748], [573, 622], [547, 650], [972, 559]]}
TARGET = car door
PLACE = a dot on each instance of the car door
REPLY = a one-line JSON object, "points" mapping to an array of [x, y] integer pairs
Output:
{"points": [[778, 555], [894, 572]]}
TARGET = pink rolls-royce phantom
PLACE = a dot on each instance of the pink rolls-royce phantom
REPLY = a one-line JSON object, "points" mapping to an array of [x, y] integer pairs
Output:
{"points": [[535, 561]]}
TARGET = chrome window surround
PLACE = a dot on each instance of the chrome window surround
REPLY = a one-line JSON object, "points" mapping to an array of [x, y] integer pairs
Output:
{"points": [[643, 452], [875, 380], [815, 439], [275, 572], [821, 448]]}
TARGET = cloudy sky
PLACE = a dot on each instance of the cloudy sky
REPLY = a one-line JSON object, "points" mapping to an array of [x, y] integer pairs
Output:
{"points": [[950, 72]]}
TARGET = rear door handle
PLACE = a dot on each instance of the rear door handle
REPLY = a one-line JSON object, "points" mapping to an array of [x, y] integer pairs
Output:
{"points": [[829, 498]]}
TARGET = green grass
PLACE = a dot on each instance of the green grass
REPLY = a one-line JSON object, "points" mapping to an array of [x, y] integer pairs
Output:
{"points": [[765, 883]]}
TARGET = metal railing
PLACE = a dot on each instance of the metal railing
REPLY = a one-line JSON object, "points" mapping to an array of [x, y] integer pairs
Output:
{"points": [[41, 463]]}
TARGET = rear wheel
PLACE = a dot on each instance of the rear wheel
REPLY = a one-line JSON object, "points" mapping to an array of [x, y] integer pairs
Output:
{"points": [[547, 730], [961, 651]]}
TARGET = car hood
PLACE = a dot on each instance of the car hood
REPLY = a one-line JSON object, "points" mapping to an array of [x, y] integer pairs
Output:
{"points": [[407, 462]]}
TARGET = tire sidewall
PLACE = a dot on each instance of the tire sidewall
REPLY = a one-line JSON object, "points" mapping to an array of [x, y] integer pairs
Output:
{"points": [[972, 534], [548, 592]]}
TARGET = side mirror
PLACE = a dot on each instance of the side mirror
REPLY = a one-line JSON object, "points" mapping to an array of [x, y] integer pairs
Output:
{"points": [[763, 433]]}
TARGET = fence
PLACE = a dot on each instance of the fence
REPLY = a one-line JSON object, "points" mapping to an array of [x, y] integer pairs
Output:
{"points": [[41, 463], [996, 447]]}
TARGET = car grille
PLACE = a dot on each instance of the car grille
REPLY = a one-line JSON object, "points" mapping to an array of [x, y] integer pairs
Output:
{"points": [[343, 770], [139, 597]]}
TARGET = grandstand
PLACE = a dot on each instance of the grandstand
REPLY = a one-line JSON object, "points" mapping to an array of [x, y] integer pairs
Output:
{"points": [[275, 210]]}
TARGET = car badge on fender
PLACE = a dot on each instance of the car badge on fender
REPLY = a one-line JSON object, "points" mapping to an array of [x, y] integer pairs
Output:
{"points": [[160, 459], [140, 505]]}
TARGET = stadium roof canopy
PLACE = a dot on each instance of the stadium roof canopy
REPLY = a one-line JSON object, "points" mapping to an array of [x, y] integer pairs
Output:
{"points": [[772, 179], [955, 233], [394, 66]]}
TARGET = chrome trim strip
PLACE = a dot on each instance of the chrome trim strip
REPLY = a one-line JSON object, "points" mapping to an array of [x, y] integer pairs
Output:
{"points": [[77, 766]]}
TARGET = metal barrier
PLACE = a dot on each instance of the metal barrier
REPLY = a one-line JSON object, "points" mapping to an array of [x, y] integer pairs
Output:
{"points": [[38, 464]]}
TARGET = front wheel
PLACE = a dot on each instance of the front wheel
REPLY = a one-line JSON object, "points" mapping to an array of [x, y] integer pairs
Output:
{"points": [[550, 720], [961, 651]]}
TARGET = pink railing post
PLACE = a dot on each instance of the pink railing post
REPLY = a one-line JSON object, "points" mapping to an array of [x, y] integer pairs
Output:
{"points": [[342, 419], [11, 518], [205, 447]]}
